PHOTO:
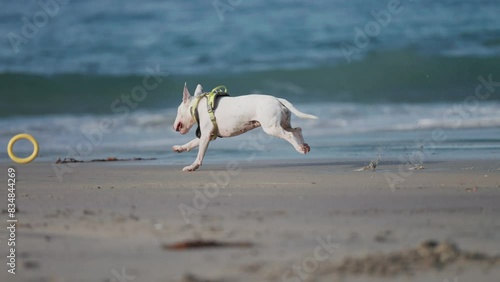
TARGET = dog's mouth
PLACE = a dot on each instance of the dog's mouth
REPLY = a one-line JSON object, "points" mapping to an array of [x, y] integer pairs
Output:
{"points": [[179, 127]]}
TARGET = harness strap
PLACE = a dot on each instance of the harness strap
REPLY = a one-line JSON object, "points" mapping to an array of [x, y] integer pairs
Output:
{"points": [[211, 99]]}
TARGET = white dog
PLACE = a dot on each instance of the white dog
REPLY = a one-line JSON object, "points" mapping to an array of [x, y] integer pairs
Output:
{"points": [[231, 116]]}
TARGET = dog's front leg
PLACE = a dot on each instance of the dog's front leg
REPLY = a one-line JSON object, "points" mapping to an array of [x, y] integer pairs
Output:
{"points": [[203, 143], [186, 147]]}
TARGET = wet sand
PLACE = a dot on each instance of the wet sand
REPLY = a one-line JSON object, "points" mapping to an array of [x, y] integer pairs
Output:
{"points": [[302, 220]]}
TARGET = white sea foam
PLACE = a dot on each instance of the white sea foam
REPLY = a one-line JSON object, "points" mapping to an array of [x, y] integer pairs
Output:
{"points": [[348, 126]]}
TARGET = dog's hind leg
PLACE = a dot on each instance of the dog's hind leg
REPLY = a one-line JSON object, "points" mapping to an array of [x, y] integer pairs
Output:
{"points": [[302, 148], [279, 125], [297, 134], [292, 135]]}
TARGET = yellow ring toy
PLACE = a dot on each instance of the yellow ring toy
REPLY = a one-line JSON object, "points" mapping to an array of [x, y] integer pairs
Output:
{"points": [[17, 138]]}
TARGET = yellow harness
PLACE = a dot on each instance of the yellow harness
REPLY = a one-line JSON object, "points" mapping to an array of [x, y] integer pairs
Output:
{"points": [[211, 96]]}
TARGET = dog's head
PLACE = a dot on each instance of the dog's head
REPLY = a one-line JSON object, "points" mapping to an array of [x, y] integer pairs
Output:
{"points": [[184, 121]]}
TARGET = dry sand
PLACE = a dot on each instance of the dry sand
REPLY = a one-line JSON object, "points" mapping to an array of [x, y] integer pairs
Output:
{"points": [[106, 220]]}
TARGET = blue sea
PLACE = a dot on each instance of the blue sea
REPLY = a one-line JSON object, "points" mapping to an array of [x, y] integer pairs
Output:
{"points": [[388, 79]]}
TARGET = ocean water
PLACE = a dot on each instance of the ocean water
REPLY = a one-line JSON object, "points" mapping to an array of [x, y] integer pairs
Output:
{"points": [[387, 78]]}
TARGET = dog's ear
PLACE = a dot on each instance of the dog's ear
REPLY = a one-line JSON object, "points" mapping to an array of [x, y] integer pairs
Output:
{"points": [[185, 94], [198, 91]]}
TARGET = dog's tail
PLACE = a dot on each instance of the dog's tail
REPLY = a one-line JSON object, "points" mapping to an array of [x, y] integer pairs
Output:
{"points": [[294, 110]]}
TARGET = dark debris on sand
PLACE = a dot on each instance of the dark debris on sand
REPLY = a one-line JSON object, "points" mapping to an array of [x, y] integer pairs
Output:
{"points": [[198, 244], [372, 166], [430, 255], [192, 278], [110, 159]]}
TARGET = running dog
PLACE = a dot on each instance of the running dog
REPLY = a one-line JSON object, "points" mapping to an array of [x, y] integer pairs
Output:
{"points": [[226, 116]]}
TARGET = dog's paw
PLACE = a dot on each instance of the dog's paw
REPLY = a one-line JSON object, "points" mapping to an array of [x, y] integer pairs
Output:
{"points": [[304, 149], [178, 149], [192, 167]]}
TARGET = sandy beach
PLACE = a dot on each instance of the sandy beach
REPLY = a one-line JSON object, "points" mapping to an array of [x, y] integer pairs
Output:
{"points": [[300, 221]]}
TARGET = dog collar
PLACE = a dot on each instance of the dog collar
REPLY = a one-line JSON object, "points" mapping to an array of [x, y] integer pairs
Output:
{"points": [[211, 96]]}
